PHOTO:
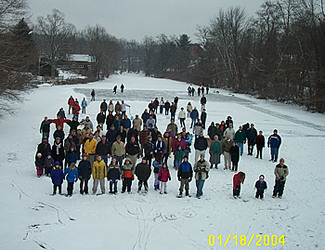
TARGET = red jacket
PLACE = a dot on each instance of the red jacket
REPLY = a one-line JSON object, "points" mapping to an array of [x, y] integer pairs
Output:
{"points": [[237, 181], [164, 174], [59, 121], [76, 109], [143, 136], [176, 143], [71, 101]]}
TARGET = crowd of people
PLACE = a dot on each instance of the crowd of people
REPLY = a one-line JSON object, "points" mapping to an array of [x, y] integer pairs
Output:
{"points": [[87, 151]]}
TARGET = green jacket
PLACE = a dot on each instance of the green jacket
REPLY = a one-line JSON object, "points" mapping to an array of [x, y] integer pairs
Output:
{"points": [[240, 136]]}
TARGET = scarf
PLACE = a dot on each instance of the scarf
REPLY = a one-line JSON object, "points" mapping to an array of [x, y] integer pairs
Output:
{"points": [[58, 146]]}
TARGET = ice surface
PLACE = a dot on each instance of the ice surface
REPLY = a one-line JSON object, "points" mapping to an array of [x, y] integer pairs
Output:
{"points": [[31, 218]]}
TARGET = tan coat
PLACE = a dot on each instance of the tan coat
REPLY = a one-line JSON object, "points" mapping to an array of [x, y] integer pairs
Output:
{"points": [[137, 123], [202, 168], [118, 149]]}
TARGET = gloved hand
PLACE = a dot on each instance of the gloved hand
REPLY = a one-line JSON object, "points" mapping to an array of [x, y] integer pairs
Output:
{"points": [[169, 178]]}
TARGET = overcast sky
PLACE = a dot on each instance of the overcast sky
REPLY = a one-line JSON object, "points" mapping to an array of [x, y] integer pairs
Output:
{"points": [[135, 19]]}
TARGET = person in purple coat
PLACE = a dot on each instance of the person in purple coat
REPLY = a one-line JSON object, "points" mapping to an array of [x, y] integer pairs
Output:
{"points": [[57, 177]]}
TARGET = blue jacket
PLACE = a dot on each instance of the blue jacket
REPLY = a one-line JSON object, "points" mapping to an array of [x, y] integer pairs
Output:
{"points": [[185, 170], [57, 175], [274, 141], [194, 114], [72, 157], [126, 123], [84, 103], [71, 175], [156, 167], [160, 146], [260, 185]]}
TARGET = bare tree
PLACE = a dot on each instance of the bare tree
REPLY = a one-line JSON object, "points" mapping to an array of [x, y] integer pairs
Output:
{"points": [[56, 32]]}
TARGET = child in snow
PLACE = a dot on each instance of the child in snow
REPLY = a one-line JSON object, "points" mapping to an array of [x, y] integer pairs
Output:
{"points": [[260, 186], [164, 176], [157, 164], [113, 175], [127, 175], [178, 157], [57, 177], [238, 179], [71, 174], [234, 153], [72, 156], [48, 164], [39, 163], [281, 172]]}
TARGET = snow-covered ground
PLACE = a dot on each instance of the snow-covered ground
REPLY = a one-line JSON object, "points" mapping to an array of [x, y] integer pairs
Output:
{"points": [[32, 219]]}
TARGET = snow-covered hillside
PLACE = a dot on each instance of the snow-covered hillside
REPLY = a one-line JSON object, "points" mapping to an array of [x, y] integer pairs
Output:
{"points": [[32, 219]]}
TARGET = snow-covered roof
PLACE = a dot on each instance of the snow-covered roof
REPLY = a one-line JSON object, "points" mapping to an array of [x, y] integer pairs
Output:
{"points": [[80, 58]]}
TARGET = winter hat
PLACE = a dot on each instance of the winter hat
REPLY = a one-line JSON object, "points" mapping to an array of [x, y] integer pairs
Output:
{"points": [[57, 163], [261, 176], [39, 154], [234, 141], [48, 153], [84, 154], [72, 147], [73, 165]]}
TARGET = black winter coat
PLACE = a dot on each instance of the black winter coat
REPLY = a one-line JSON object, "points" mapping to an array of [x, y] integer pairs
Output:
{"points": [[133, 132], [43, 149], [84, 169], [167, 105], [103, 106], [111, 136], [148, 148], [58, 133], [103, 148], [251, 135], [73, 125], [173, 109], [201, 143], [234, 152], [142, 171], [122, 134], [113, 172], [45, 127], [57, 157], [132, 148], [203, 117], [101, 117]]}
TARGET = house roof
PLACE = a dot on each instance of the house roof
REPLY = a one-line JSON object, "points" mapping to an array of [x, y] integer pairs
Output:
{"points": [[80, 58]]}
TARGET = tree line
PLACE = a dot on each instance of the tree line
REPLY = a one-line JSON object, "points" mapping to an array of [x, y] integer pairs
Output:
{"points": [[277, 54]]}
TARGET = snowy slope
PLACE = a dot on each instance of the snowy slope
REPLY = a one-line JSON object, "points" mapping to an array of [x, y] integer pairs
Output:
{"points": [[32, 219]]}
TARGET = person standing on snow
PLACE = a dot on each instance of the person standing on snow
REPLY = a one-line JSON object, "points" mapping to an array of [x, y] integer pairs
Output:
{"points": [[114, 89], [92, 95], [184, 175], [203, 101], [161, 105], [113, 175], [260, 186], [163, 177], [84, 106], [103, 106], [123, 108], [70, 103], [281, 172], [274, 141], [238, 179], [194, 116], [71, 175], [127, 173], [167, 107], [99, 173], [234, 154], [200, 145], [143, 172], [84, 172], [226, 145], [260, 144], [203, 118], [240, 137], [173, 108], [45, 128], [215, 152], [201, 169], [122, 88], [57, 177], [251, 136]]}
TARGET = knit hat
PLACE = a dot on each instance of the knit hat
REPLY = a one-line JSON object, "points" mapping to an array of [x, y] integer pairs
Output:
{"points": [[39, 154], [57, 163], [261, 176]]}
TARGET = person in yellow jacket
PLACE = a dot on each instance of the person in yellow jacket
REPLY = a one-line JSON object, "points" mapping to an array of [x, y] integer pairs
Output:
{"points": [[90, 148], [99, 174]]}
